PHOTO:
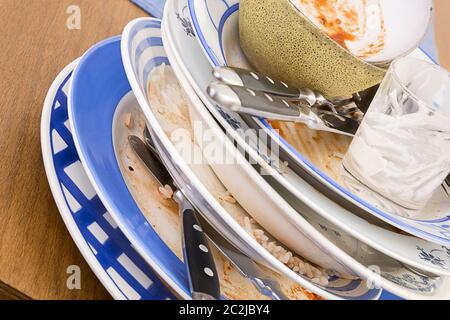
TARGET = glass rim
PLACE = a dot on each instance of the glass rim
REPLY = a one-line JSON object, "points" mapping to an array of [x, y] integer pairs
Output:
{"points": [[407, 90]]}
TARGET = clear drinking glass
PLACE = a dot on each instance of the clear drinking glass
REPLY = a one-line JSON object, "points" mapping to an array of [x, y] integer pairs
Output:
{"points": [[401, 152]]}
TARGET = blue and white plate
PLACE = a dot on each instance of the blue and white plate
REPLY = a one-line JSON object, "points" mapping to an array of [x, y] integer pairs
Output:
{"points": [[98, 86], [216, 25], [118, 266]]}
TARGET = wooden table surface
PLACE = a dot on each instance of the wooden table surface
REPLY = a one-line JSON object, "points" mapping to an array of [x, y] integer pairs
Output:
{"points": [[35, 247]]}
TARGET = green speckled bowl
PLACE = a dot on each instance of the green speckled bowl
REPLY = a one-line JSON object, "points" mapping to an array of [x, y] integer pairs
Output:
{"points": [[283, 43]]}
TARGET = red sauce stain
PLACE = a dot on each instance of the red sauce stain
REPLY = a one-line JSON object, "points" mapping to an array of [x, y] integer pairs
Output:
{"points": [[328, 18], [342, 37], [342, 23]]}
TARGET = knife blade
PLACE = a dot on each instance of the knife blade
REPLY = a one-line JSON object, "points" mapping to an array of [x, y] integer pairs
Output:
{"points": [[156, 168], [203, 278]]}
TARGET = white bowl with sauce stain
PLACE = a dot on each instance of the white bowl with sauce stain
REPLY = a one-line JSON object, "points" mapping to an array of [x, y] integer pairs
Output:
{"points": [[377, 31], [283, 42]]}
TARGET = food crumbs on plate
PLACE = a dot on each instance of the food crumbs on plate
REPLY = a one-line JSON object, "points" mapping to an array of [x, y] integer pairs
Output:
{"points": [[128, 120], [338, 155], [161, 110], [227, 268], [284, 167], [142, 124], [227, 197], [316, 138], [316, 274], [166, 192]]}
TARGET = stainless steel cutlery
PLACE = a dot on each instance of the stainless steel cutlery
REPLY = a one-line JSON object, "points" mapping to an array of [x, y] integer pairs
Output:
{"points": [[261, 104], [249, 92], [259, 82], [203, 278]]}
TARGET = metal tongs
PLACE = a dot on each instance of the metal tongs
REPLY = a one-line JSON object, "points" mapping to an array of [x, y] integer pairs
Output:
{"points": [[252, 93], [249, 92]]}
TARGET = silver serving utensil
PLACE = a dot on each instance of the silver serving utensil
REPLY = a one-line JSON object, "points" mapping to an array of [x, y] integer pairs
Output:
{"points": [[203, 278], [246, 266], [256, 81], [265, 105], [259, 82]]}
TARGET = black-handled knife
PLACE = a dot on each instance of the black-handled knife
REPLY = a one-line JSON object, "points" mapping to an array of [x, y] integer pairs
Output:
{"points": [[203, 278], [264, 282]]}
